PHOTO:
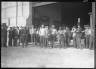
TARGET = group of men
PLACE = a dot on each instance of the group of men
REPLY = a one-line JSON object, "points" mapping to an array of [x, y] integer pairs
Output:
{"points": [[15, 36], [44, 35], [19, 36]]}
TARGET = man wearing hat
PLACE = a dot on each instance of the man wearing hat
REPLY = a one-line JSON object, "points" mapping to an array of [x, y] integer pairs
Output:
{"points": [[87, 36], [92, 38]]}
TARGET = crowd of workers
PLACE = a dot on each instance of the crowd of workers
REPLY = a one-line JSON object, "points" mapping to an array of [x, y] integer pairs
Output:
{"points": [[45, 36]]}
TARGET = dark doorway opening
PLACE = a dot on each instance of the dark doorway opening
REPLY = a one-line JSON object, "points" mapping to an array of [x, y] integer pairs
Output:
{"points": [[71, 11]]}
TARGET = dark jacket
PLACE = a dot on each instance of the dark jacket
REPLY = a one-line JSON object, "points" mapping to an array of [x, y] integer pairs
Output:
{"points": [[13, 33], [79, 33], [10, 33]]}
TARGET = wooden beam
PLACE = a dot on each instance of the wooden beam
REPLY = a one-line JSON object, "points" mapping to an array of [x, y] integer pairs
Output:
{"points": [[93, 14], [42, 3]]}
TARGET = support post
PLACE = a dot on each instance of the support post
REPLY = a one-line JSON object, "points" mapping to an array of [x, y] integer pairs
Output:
{"points": [[16, 13], [93, 14]]}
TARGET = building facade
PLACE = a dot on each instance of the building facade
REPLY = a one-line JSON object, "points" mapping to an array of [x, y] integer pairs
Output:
{"points": [[37, 13], [15, 13]]}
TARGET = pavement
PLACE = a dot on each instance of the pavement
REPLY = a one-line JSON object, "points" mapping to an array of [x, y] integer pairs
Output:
{"points": [[37, 57]]}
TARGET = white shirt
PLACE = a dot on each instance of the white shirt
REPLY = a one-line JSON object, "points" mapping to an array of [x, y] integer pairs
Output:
{"points": [[46, 32], [54, 31], [91, 31], [74, 32], [87, 31], [31, 31], [42, 31], [64, 31], [37, 31], [60, 32]]}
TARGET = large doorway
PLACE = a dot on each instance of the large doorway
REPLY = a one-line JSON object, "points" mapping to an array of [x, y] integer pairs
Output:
{"points": [[71, 11], [65, 13]]}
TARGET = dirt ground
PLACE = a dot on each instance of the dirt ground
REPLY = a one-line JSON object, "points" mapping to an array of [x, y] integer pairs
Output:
{"points": [[35, 56]]}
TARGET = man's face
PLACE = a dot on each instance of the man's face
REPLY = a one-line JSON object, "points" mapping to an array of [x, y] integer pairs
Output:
{"points": [[66, 28], [53, 26], [78, 26], [42, 26]]}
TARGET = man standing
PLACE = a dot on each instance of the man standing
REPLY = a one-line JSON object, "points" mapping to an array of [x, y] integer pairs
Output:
{"points": [[29, 38], [13, 36], [53, 35], [32, 33], [60, 34], [26, 36], [64, 37], [5, 35], [78, 36], [37, 36], [87, 35], [20, 35], [92, 38], [87, 32], [74, 35], [2, 35], [17, 36], [10, 36], [42, 35], [68, 36], [46, 36]]}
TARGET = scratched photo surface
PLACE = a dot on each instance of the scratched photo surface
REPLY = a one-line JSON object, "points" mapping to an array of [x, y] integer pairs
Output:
{"points": [[47, 34]]}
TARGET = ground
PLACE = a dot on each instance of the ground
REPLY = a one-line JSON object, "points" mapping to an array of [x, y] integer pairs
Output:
{"points": [[35, 56]]}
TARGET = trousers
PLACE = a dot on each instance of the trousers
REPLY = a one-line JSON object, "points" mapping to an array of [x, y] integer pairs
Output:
{"points": [[87, 41], [78, 42]]}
